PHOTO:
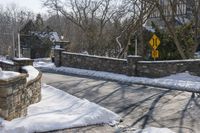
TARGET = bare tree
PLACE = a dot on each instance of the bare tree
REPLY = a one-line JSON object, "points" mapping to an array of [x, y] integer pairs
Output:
{"points": [[91, 16], [11, 20], [138, 12], [195, 9], [172, 10]]}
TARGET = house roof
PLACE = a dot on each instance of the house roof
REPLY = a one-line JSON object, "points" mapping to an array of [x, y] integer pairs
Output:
{"points": [[28, 27]]}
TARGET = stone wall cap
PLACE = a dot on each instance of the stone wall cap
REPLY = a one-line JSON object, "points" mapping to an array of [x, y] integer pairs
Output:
{"points": [[61, 49], [13, 79], [170, 61], [31, 71], [94, 56], [21, 59], [8, 62], [62, 42], [134, 56], [39, 76]]}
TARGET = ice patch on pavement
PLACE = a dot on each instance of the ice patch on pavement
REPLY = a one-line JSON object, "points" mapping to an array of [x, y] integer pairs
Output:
{"points": [[59, 110]]}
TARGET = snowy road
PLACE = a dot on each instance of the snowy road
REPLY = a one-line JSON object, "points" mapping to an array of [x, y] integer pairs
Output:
{"points": [[138, 105]]}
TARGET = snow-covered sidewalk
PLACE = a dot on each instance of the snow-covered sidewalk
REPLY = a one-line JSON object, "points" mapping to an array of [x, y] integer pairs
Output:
{"points": [[181, 81], [59, 110]]}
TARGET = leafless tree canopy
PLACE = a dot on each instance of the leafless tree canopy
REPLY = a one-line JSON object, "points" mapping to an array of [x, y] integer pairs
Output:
{"points": [[107, 27], [11, 19]]}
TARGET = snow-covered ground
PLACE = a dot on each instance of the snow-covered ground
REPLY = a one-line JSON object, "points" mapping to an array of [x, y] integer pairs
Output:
{"points": [[154, 130], [59, 110], [43, 63], [180, 81]]}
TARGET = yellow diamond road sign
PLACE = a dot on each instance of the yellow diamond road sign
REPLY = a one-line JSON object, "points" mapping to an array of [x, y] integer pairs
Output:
{"points": [[155, 54], [154, 42]]}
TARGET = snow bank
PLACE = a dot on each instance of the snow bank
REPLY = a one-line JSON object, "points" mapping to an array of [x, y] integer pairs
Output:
{"points": [[43, 64], [21, 58], [183, 76], [43, 60], [182, 81], [32, 72], [154, 130], [59, 110], [161, 82]]}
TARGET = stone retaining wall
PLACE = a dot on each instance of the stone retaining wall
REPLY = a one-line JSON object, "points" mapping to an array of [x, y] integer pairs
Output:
{"points": [[13, 97], [132, 66], [57, 57], [33, 90], [166, 68], [94, 62], [16, 65], [16, 94], [8, 66]]}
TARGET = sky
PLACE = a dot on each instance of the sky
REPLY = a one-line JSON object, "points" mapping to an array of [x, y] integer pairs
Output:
{"points": [[33, 5]]}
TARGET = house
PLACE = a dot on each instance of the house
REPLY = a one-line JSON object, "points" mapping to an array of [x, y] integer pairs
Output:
{"points": [[182, 12], [37, 44]]}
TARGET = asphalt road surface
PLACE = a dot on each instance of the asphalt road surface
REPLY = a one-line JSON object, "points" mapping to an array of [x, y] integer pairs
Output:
{"points": [[140, 106]]}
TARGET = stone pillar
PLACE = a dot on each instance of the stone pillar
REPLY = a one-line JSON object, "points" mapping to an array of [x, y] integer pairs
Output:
{"points": [[23, 61], [20, 62], [132, 64], [12, 97], [58, 56]]}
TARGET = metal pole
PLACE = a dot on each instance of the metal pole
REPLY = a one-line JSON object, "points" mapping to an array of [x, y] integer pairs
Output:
{"points": [[13, 43], [19, 52], [135, 45]]}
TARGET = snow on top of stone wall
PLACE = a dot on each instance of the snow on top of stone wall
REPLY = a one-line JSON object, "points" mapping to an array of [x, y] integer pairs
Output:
{"points": [[32, 72], [4, 75], [21, 58], [5, 60]]}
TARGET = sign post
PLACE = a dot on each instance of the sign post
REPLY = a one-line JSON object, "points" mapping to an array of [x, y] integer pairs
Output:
{"points": [[154, 42]]}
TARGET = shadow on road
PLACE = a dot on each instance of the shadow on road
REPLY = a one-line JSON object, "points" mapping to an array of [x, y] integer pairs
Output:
{"points": [[138, 105]]}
